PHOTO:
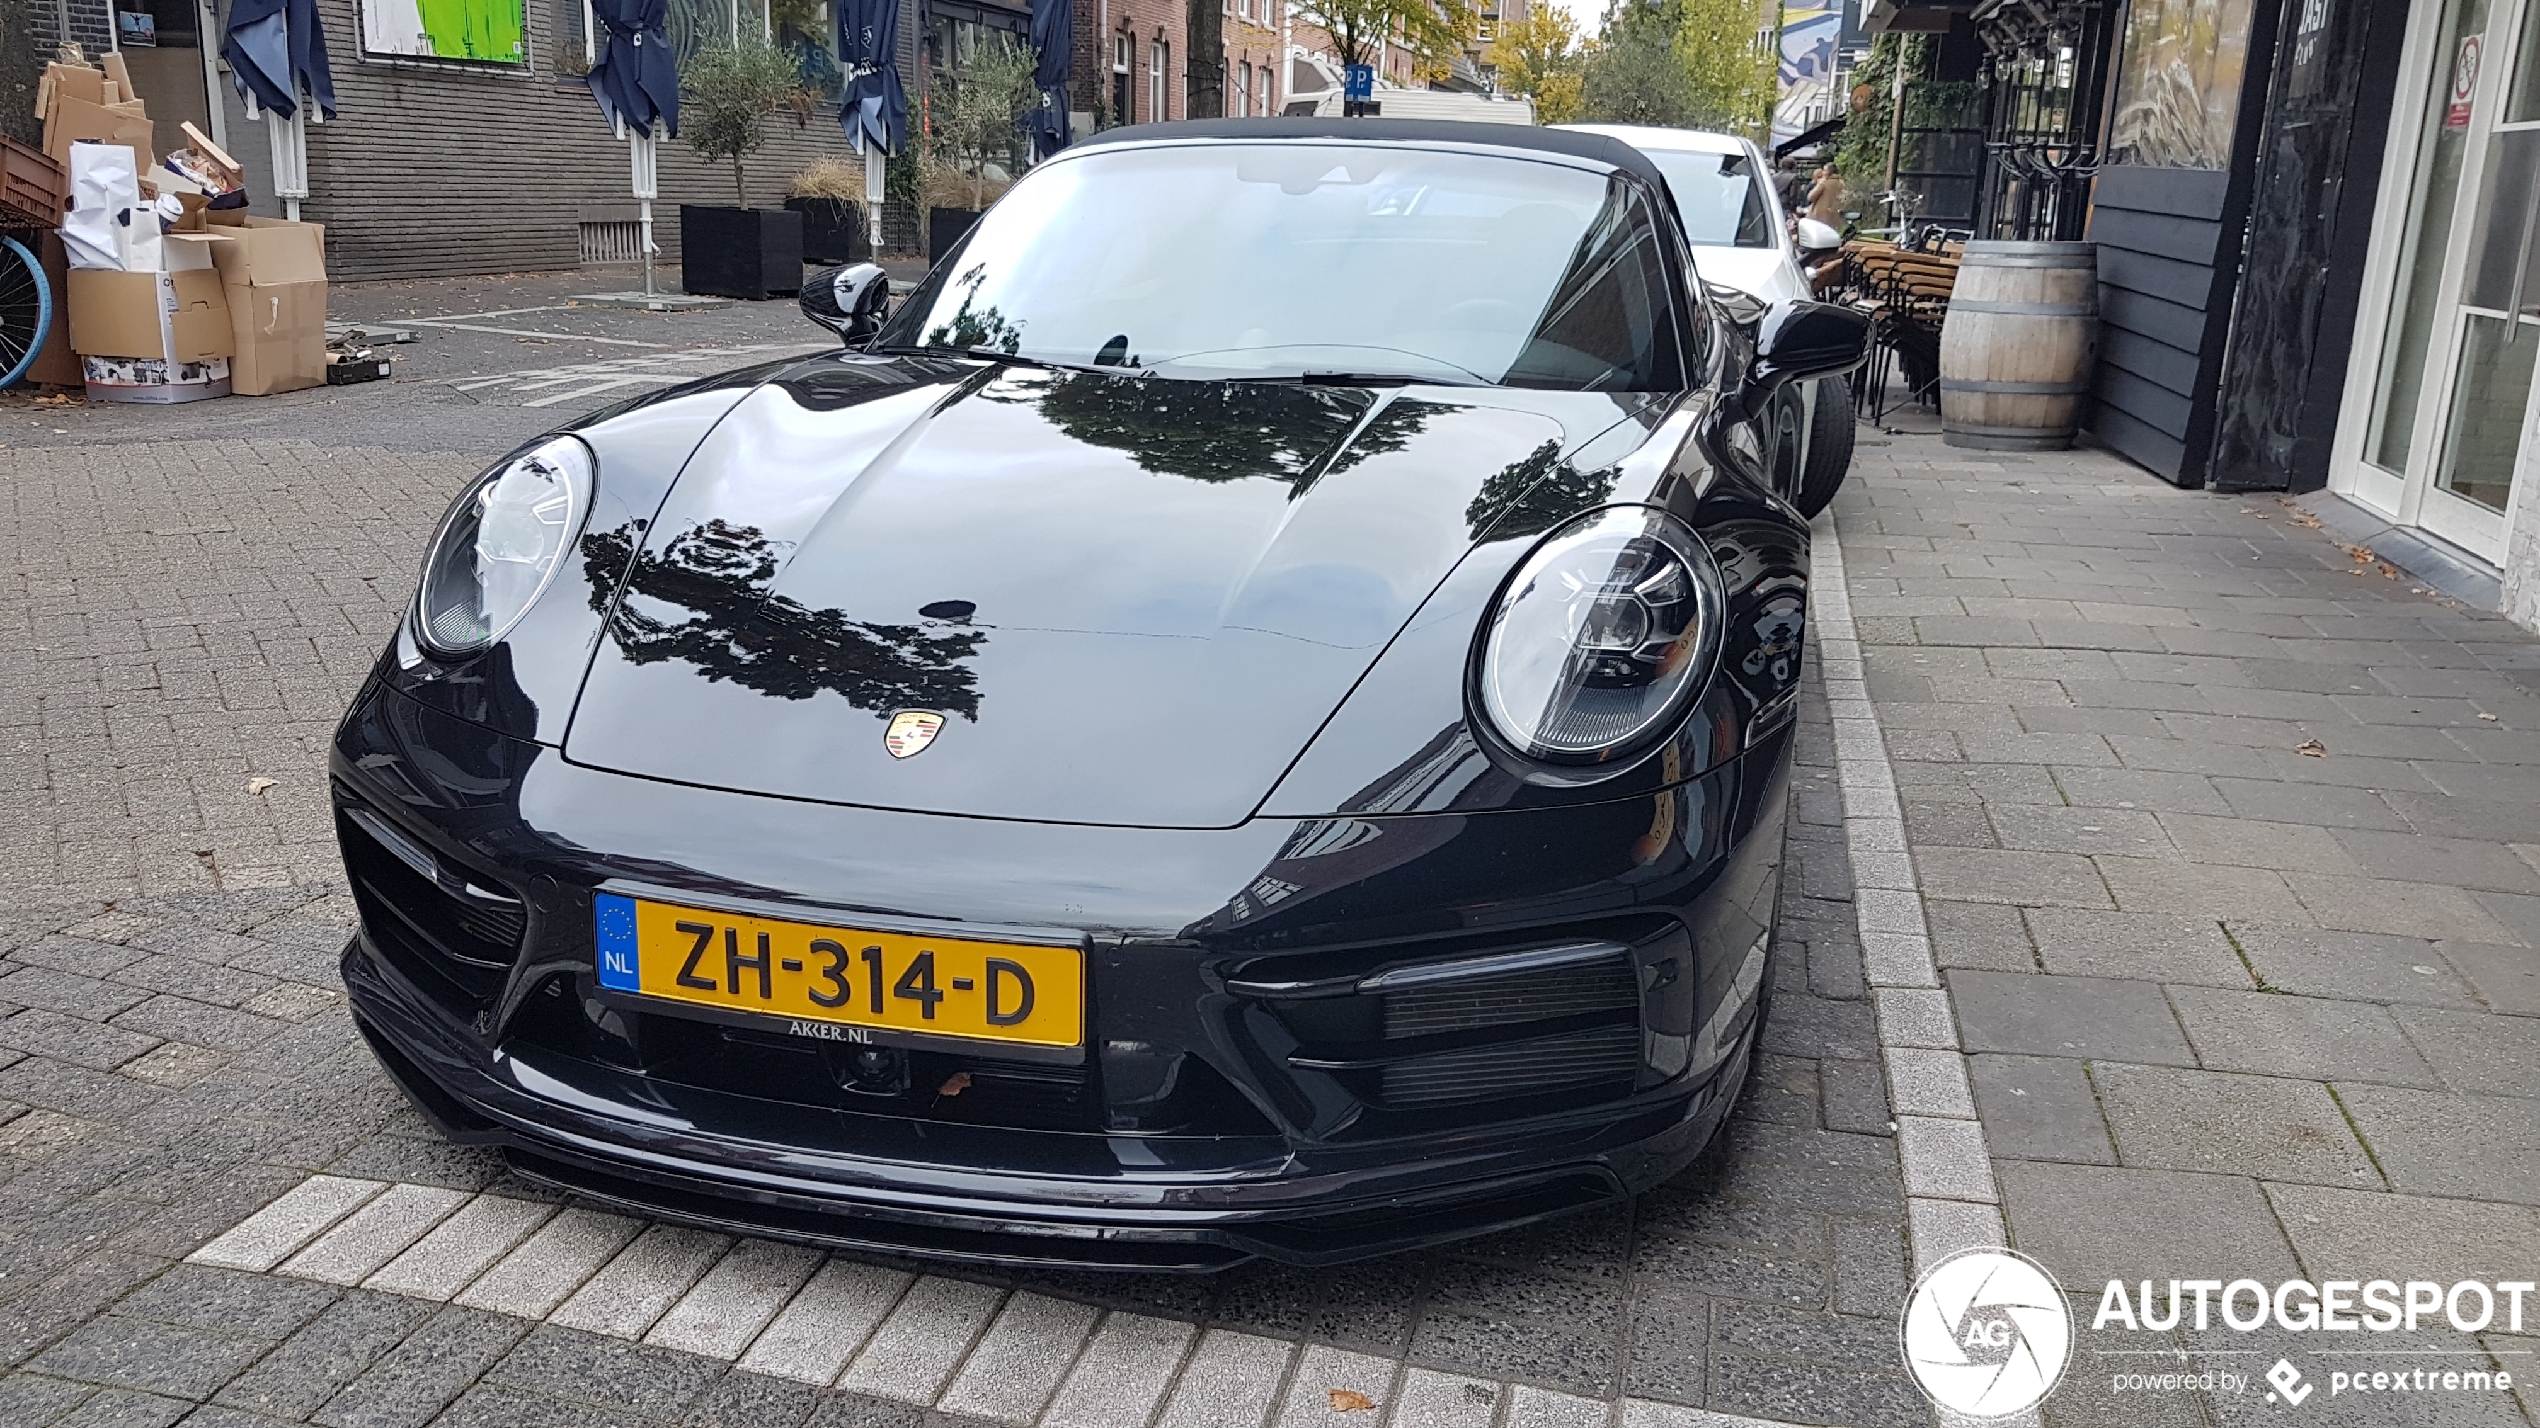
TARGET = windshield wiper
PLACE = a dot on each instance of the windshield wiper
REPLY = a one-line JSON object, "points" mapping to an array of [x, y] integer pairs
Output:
{"points": [[1364, 379], [997, 355]]}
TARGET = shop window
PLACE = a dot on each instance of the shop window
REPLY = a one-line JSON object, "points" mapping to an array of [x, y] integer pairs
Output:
{"points": [[2178, 83], [809, 28], [494, 32]]}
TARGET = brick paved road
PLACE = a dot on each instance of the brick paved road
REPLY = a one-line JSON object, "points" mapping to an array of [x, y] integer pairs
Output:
{"points": [[174, 1059]]}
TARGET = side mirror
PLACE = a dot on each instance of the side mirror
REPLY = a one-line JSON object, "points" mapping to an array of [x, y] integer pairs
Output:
{"points": [[1802, 341], [849, 301], [1814, 237]]}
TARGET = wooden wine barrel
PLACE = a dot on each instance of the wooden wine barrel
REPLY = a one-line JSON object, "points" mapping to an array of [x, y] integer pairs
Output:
{"points": [[2017, 347]]}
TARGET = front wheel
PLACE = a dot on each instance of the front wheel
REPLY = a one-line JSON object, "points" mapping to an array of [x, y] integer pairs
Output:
{"points": [[26, 310], [1829, 447]]}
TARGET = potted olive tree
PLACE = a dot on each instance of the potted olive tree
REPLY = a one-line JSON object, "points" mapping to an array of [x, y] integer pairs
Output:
{"points": [[827, 194], [725, 99], [972, 152]]}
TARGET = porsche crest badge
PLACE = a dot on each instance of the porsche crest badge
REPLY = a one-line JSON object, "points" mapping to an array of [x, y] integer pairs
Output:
{"points": [[911, 731]]}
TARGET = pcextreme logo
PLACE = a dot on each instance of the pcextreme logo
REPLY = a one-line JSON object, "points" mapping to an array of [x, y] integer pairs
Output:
{"points": [[1987, 1333]]}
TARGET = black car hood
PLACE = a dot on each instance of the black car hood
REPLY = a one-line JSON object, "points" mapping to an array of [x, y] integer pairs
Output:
{"points": [[1134, 600]]}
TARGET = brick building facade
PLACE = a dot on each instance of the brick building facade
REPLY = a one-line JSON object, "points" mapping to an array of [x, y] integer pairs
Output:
{"points": [[434, 168]]}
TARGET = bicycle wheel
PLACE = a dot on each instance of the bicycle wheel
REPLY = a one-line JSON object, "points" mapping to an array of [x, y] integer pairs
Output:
{"points": [[26, 310]]}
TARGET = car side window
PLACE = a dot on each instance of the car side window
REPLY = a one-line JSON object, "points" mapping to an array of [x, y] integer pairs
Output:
{"points": [[1610, 323]]}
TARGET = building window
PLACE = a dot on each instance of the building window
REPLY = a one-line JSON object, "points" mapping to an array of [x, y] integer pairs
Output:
{"points": [[809, 28], [1261, 78], [1120, 91], [2178, 84], [1159, 68], [1243, 90]]}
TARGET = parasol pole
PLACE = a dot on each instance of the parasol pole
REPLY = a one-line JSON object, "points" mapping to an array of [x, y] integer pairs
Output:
{"points": [[873, 196], [289, 143], [641, 147]]}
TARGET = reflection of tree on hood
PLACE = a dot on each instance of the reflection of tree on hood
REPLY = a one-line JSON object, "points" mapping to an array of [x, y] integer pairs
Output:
{"points": [[1220, 431], [1535, 493], [719, 575]]}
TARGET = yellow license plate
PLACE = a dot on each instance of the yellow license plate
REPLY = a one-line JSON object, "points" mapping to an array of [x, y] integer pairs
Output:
{"points": [[940, 986]]}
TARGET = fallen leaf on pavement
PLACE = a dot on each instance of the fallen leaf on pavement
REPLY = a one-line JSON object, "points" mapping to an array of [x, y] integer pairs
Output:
{"points": [[957, 1083], [259, 785], [2361, 554], [2490, 718], [2389, 571], [2311, 748], [1349, 1400]]}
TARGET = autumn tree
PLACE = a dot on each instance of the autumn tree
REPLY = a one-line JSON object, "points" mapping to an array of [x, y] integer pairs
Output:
{"points": [[1538, 57], [1435, 31], [1695, 64]]}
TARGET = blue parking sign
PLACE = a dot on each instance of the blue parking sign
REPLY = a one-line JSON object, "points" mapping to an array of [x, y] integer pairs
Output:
{"points": [[1358, 81]]}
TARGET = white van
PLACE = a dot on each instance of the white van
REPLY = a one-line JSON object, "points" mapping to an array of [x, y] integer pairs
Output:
{"points": [[1437, 104]]}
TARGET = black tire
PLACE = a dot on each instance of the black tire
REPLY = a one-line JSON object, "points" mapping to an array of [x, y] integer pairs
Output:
{"points": [[1829, 447], [1784, 421]]}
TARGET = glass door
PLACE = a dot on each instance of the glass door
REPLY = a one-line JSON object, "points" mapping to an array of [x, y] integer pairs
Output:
{"points": [[2451, 394]]}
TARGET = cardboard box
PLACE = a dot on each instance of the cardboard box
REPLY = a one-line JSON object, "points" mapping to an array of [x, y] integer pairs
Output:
{"points": [[75, 81], [153, 379], [180, 315], [57, 365], [273, 275], [75, 119]]}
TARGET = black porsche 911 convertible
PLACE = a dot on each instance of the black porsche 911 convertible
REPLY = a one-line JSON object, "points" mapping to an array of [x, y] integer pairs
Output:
{"points": [[1249, 717]]}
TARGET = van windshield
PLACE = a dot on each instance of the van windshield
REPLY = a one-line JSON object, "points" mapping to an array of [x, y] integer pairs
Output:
{"points": [[1306, 261]]}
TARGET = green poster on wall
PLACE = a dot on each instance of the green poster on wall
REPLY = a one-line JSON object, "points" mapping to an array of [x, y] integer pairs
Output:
{"points": [[488, 31]]}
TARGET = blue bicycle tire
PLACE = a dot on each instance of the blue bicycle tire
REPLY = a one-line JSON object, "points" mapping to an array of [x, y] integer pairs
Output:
{"points": [[12, 248]]}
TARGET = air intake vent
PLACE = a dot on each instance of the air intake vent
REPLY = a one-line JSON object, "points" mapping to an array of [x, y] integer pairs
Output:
{"points": [[453, 938], [1524, 1068], [1510, 1000], [613, 242]]}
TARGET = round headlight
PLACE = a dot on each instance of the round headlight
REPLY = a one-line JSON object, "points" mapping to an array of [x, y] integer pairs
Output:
{"points": [[1602, 638], [500, 545]]}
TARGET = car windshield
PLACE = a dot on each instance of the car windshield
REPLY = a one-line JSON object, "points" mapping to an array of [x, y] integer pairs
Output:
{"points": [[1717, 198], [1289, 261]]}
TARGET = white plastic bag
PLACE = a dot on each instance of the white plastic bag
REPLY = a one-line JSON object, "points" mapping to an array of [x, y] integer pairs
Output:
{"points": [[108, 226]]}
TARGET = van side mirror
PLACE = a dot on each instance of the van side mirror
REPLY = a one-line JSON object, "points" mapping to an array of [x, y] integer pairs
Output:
{"points": [[1802, 341], [849, 301], [1814, 237]]}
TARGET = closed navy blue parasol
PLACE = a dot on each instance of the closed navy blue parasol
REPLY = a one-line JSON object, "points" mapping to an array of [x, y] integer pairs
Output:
{"points": [[1053, 44], [635, 77], [276, 52], [875, 108]]}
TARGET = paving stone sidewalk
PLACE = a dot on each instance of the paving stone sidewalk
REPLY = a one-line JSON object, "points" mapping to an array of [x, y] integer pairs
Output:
{"points": [[2229, 843]]}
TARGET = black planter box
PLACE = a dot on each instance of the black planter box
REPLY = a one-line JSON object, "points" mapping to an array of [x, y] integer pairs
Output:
{"points": [[740, 252], [833, 230], [945, 227]]}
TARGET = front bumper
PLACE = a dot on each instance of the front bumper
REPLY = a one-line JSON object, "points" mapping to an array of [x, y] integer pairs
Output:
{"points": [[582, 1136], [1149, 1167]]}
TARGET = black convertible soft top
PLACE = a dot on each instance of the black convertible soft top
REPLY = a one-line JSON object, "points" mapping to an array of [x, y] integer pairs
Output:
{"points": [[1569, 143]]}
